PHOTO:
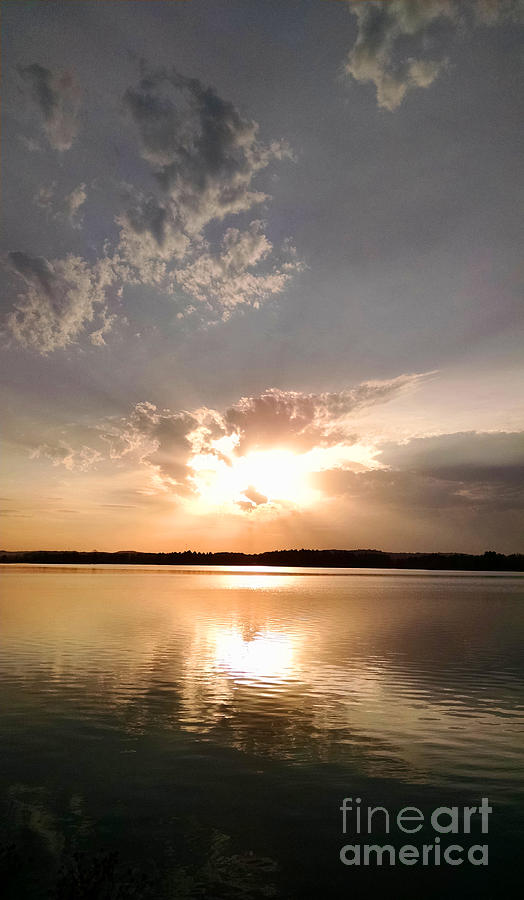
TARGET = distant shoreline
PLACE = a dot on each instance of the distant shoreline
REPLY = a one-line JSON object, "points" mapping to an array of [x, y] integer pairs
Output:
{"points": [[376, 559]]}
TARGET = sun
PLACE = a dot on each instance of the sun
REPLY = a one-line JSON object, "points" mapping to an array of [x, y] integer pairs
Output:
{"points": [[267, 480], [275, 474], [259, 479]]}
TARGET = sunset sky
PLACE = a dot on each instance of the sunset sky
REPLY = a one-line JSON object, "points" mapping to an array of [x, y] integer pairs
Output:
{"points": [[262, 275]]}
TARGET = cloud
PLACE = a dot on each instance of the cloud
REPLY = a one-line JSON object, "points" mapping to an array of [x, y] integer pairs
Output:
{"points": [[255, 496], [73, 202], [203, 152], [426, 489], [394, 39], [59, 300], [30, 144], [489, 12], [301, 421], [72, 458], [151, 236], [44, 197], [384, 488], [107, 320], [465, 457], [203, 155], [251, 498], [166, 441], [229, 278], [67, 209], [470, 471], [464, 473], [57, 97], [156, 438]]}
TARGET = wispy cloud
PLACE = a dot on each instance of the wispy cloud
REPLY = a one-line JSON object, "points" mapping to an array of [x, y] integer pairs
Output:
{"points": [[67, 209], [233, 276], [79, 458]]}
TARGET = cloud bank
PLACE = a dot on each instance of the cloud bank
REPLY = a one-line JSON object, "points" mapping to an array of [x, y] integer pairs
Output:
{"points": [[466, 471]]}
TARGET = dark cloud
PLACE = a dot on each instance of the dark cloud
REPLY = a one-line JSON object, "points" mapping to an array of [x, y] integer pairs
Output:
{"points": [[388, 489], [203, 154], [464, 457], [57, 97], [463, 471], [35, 270]]}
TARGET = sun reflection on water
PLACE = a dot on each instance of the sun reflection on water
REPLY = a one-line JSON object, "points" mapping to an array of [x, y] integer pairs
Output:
{"points": [[256, 580], [263, 655], [400, 673]]}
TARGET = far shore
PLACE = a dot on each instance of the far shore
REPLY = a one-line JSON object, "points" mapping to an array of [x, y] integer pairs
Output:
{"points": [[489, 561]]}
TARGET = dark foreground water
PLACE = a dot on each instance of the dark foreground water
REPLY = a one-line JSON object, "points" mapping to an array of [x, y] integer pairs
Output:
{"points": [[168, 733]]}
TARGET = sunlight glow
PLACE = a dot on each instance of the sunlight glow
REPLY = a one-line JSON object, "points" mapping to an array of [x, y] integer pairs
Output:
{"points": [[263, 480], [257, 479]]}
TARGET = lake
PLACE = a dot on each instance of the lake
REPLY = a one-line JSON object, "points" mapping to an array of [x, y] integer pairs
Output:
{"points": [[174, 732]]}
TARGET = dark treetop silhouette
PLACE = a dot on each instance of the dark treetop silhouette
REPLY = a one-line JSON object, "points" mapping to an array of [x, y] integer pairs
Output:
{"points": [[488, 561]]}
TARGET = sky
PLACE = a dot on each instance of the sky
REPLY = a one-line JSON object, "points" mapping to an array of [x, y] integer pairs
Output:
{"points": [[261, 275]]}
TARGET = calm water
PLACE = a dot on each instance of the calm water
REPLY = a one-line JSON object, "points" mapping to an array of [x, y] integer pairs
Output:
{"points": [[186, 733]]}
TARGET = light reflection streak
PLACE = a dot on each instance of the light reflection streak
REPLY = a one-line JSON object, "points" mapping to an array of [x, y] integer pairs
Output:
{"points": [[264, 655]]}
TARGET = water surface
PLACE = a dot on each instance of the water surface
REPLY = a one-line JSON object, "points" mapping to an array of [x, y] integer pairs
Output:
{"points": [[239, 706]]}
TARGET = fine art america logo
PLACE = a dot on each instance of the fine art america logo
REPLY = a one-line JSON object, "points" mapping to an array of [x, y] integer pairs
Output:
{"points": [[446, 822]]}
